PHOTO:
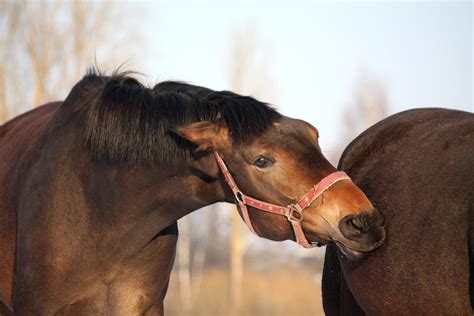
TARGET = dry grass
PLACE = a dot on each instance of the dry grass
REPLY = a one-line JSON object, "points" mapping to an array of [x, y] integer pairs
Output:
{"points": [[286, 291]]}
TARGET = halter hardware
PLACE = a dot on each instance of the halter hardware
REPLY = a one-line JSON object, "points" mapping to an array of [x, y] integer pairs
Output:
{"points": [[295, 209], [239, 196]]}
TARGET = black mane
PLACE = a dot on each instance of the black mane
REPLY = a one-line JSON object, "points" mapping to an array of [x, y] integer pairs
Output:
{"points": [[128, 122]]}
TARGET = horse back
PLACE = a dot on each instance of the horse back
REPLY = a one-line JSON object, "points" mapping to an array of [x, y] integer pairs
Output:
{"points": [[396, 131], [18, 141]]}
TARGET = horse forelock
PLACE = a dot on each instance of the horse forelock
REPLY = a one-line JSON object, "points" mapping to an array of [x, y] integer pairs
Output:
{"points": [[125, 121]]}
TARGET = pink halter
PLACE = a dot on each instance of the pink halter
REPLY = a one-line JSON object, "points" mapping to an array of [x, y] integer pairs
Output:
{"points": [[293, 212]]}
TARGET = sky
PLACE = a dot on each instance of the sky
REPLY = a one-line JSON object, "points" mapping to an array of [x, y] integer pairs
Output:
{"points": [[314, 52]]}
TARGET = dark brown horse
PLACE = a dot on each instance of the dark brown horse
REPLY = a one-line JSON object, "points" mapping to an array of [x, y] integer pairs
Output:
{"points": [[417, 167], [91, 189]]}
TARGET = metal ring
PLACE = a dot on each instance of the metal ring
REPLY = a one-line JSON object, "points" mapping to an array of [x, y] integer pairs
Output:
{"points": [[239, 196], [295, 209]]}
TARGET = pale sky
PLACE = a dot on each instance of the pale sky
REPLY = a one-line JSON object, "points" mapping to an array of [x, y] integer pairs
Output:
{"points": [[315, 51]]}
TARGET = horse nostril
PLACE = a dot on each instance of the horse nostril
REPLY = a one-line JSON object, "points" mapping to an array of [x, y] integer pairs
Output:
{"points": [[354, 225], [359, 223]]}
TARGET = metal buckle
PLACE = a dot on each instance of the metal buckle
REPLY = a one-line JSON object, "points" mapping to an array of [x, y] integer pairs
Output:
{"points": [[295, 209], [239, 196]]}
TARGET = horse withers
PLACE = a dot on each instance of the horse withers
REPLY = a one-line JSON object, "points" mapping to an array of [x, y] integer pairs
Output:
{"points": [[417, 167], [91, 189]]}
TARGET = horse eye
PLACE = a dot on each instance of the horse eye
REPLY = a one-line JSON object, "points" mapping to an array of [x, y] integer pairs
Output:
{"points": [[263, 162]]}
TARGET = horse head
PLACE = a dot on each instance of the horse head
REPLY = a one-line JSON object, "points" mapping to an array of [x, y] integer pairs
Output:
{"points": [[283, 171]]}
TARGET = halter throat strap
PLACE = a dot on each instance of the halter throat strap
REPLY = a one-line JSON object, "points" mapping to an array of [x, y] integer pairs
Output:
{"points": [[293, 212]]}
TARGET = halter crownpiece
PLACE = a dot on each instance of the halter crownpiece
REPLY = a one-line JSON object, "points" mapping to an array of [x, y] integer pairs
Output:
{"points": [[293, 212]]}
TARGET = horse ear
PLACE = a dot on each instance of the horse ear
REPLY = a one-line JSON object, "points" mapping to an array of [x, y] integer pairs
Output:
{"points": [[206, 135]]}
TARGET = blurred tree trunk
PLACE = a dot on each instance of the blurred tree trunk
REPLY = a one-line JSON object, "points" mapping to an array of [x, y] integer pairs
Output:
{"points": [[248, 76], [184, 272], [368, 106], [10, 19], [236, 264], [201, 240], [3, 97], [241, 54]]}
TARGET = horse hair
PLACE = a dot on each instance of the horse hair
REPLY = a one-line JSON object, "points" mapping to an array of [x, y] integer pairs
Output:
{"points": [[128, 122]]}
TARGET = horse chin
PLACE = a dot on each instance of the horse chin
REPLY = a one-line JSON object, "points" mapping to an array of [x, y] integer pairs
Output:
{"points": [[356, 254], [351, 254]]}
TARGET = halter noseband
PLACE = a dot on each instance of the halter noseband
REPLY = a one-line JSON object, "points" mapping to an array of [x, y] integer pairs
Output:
{"points": [[293, 212]]}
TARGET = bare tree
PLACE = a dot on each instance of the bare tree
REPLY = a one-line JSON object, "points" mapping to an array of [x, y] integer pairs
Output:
{"points": [[10, 19], [184, 271], [249, 59], [47, 45], [248, 75], [368, 106]]}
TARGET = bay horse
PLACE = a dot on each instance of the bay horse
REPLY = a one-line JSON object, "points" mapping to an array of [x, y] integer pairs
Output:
{"points": [[91, 189], [417, 167]]}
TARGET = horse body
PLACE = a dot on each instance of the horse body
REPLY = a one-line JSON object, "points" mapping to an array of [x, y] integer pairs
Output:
{"points": [[417, 167], [51, 243], [15, 136], [93, 187]]}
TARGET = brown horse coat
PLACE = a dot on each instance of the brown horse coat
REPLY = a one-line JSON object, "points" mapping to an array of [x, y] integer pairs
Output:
{"points": [[417, 167]]}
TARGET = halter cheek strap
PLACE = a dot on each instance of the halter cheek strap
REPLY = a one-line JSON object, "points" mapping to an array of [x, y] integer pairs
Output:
{"points": [[293, 212]]}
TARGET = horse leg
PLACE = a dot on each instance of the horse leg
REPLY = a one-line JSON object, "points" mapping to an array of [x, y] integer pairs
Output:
{"points": [[157, 309], [4, 310], [337, 298], [331, 282], [349, 305], [142, 286], [471, 259]]}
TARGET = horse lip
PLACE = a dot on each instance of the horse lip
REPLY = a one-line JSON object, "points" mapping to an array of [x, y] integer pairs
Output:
{"points": [[346, 246], [362, 250], [318, 243], [350, 253]]}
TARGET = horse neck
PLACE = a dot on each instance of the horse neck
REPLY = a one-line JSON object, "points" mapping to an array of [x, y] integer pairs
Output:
{"points": [[120, 192], [117, 209], [162, 193], [135, 204]]}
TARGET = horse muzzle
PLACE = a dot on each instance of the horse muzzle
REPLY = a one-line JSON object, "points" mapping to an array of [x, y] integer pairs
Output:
{"points": [[360, 234]]}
